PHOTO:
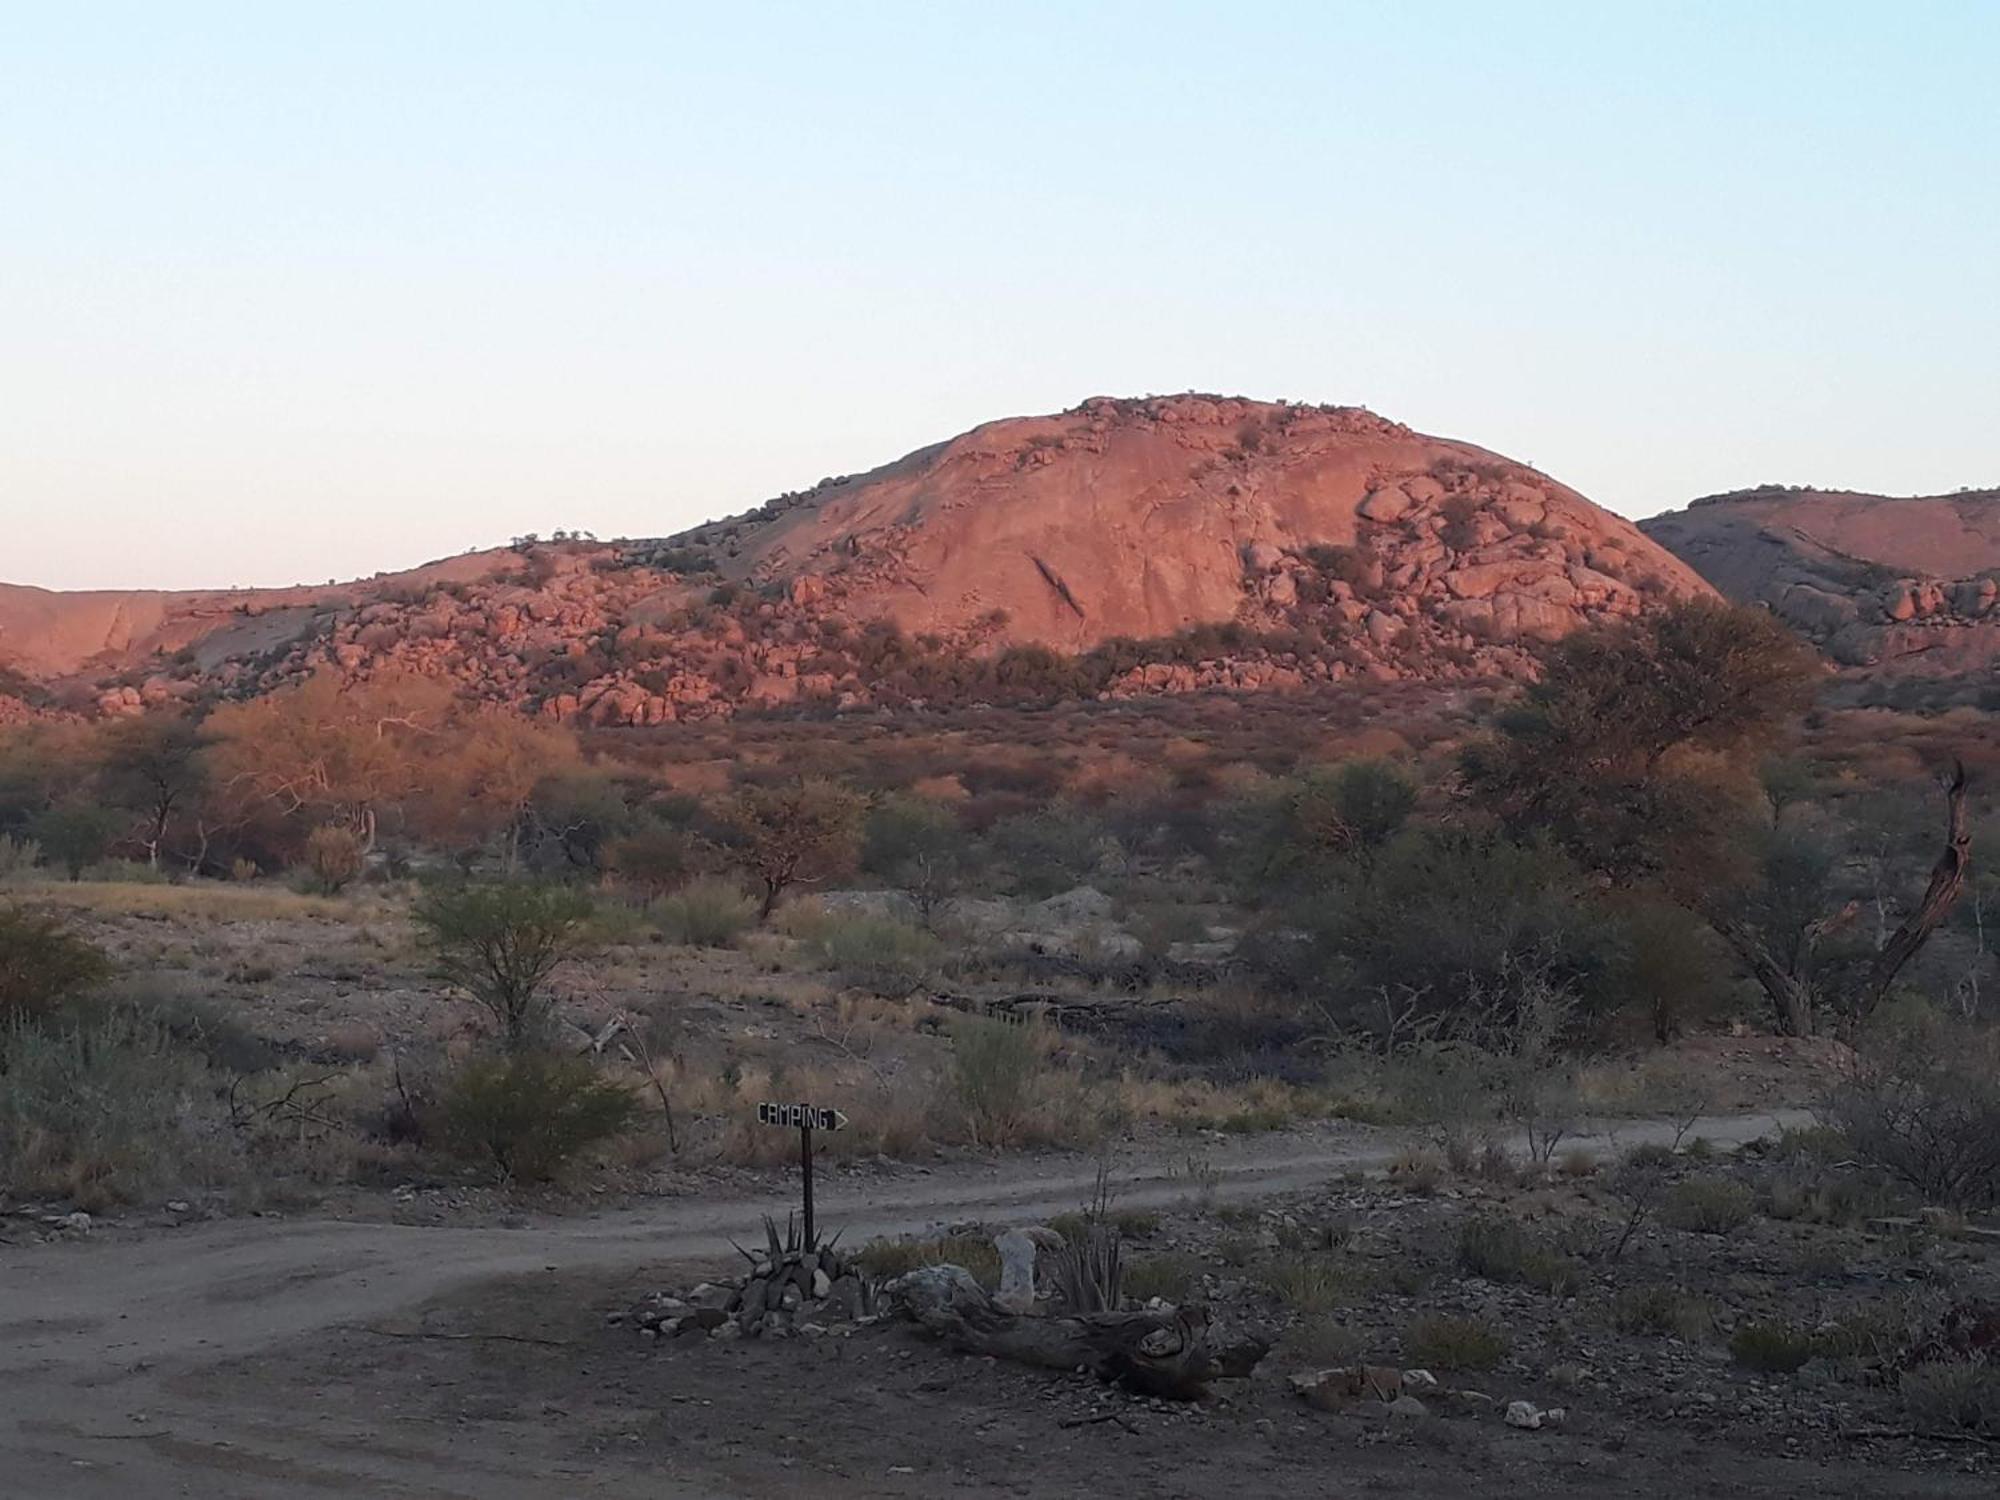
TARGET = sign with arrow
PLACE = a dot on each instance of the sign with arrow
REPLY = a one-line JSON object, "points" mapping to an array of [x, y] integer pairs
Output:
{"points": [[801, 1117], [804, 1118]]}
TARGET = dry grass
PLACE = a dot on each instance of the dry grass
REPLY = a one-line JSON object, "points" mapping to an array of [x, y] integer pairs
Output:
{"points": [[204, 900], [1439, 1341], [974, 1253]]}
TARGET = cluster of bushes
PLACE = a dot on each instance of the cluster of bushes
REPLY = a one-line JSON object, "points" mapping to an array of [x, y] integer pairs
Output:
{"points": [[99, 1101], [109, 1094]]}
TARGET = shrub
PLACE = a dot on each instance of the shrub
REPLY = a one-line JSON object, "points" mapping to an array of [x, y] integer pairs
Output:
{"points": [[1925, 1106], [878, 953], [974, 1253], [43, 964], [1498, 1250], [916, 845], [104, 1111], [1638, 1183], [501, 942], [121, 872], [655, 858], [993, 1075], [333, 858], [1454, 920], [1661, 1312], [1832, 1197], [18, 857], [1772, 1348], [530, 1113], [708, 912], [1952, 1396], [1048, 852], [74, 837], [1171, 1277], [1314, 1283], [1440, 1341], [1321, 1341], [1707, 1205], [1314, 825]]}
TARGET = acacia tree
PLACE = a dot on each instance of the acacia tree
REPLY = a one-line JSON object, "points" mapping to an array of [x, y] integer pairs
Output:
{"points": [[156, 767], [331, 752], [1637, 751], [791, 835], [501, 943], [917, 844]]}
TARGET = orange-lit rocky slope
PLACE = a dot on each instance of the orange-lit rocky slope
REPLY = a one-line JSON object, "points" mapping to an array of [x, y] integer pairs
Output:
{"points": [[1120, 548]]}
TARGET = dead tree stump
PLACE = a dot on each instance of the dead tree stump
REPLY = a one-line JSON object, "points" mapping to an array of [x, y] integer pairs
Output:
{"points": [[1169, 1352]]}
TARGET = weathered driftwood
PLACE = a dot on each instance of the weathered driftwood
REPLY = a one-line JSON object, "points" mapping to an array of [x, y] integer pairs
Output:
{"points": [[1166, 1352]]}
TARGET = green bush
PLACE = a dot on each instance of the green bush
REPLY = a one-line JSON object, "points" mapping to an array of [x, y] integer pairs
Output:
{"points": [[1312, 828], [1440, 1341], [976, 1254], [1924, 1105], [1317, 1342], [1952, 1396], [121, 872], [656, 858], [708, 912], [1707, 1205], [993, 1075], [18, 857], [334, 858], [1499, 1250], [877, 953], [105, 1110], [1455, 918], [1772, 1348], [1661, 1312], [1309, 1283], [73, 836], [916, 845], [43, 964], [501, 942], [1049, 852], [1172, 1277], [530, 1113]]}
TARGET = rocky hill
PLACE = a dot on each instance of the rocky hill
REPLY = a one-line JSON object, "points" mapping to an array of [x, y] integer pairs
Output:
{"points": [[1884, 584], [1123, 547]]}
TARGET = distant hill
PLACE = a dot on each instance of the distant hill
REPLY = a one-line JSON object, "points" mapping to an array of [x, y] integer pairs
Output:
{"points": [[1124, 547], [1885, 584]]}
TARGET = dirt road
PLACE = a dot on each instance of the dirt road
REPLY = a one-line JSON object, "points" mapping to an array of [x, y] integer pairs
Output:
{"points": [[107, 1348]]}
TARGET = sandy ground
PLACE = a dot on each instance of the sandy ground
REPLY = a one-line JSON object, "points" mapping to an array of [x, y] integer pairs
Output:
{"points": [[263, 1358]]}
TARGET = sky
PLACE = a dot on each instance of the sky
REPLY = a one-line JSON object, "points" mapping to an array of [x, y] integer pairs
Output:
{"points": [[290, 292]]}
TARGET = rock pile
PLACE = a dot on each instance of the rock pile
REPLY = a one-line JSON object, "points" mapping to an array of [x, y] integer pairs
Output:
{"points": [[1410, 1393], [795, 1292]]}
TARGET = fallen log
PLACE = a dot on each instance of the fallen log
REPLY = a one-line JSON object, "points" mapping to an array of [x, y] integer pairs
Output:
{"points": [[1169, 1352]]}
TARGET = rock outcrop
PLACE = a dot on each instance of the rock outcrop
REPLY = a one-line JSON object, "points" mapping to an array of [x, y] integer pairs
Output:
{"points": [[1119, 549], [1883, 584]]}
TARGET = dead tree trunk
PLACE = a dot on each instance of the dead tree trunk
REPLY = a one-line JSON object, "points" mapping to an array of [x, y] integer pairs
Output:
{"points": [[1948, 877], [1171, 1353], [1789, 971]]}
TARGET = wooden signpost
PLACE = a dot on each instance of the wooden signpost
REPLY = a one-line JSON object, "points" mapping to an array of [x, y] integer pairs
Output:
{"points": [[805, 1118]]}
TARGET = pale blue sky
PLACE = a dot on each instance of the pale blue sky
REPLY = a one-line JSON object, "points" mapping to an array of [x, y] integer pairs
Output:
{"points": [[290, 291]]}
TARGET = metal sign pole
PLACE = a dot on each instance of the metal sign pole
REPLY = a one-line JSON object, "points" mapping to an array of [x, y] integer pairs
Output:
{"points": [[806, 1162]]}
